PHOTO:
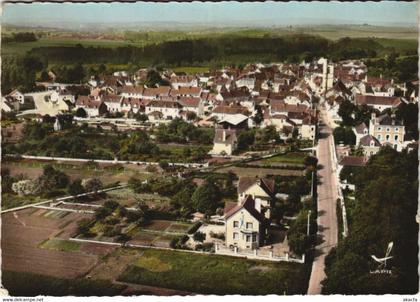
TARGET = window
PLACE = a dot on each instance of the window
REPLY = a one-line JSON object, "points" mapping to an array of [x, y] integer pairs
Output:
{"points": [[387, 137], [396, 138], [249, 225], [235, 236], [236, 224], [387, 129], [254, 237], [396, 129], [379, 137], [379, 128], [248, 238]]}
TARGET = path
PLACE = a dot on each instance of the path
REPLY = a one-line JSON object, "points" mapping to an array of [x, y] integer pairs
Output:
{"points": [[327, 236]]}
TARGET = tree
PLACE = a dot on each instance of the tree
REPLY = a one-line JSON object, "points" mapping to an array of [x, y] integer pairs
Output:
{"points": [[311, 161], [154, 79], [345, 111], [206, 198], [245, 139], [163, 164], [191, 116], [269, 133], [199, 236], [92, 184], [81, 112], [83, 227], [52, 179], [44, 76], [298, 240], [75, 187], [25, 187], [182, 200], [258, 117]]}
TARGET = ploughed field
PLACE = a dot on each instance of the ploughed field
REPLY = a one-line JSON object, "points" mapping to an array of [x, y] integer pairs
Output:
{"points": [[23, 234]]}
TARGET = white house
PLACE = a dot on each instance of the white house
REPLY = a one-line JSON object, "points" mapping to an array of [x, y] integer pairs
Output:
{"points": [[168, 109]]}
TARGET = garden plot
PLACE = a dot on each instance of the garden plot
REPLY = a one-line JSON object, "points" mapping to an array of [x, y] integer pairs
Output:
{"points": [[126, 197]]}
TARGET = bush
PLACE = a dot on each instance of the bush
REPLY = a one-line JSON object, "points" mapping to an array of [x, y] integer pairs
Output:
{"points": [[179, 242]]}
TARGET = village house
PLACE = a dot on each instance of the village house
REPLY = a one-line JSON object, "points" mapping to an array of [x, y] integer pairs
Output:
{"points": [[222, 111], [360, 131], [156, 93], [246, 221], [378, 102], [178, 81], [92, 106], [387, 130], [225, 141], [168, 109], [369, 144], [112, 102], [245, 226], [192, 104], [132, 91], [17, 95]]}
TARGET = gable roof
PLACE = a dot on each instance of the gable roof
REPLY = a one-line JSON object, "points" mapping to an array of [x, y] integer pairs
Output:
{"points": [[266, 184], [353, 161], [361, 128], [367, 139], [249, 205], [227, 136], [377, 100]]}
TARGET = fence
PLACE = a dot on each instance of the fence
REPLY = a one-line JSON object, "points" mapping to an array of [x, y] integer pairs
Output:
{"points": [[108, 161], [256, 254], [339, 191], [251, 255]]}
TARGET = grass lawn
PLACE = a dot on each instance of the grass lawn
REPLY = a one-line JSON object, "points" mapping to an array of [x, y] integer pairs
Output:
{"points": [[290, 158], [213, 274], [60, 245]]}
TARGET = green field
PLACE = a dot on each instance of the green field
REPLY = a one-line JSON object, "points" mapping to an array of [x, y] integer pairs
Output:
{"points": [[289, 158], [212, 274], [60, 245]]}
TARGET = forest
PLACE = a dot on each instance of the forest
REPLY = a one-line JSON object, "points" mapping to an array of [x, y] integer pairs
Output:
{"points": [[213, 52]]}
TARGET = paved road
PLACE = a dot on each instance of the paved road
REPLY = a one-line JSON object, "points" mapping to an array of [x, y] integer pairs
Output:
{"points": [[327, 216]]}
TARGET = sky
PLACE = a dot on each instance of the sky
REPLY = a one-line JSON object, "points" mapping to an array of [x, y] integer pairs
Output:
{"points": [[249, 13]]}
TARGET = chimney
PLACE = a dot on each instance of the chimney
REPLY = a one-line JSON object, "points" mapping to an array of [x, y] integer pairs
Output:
{"points": [[373, 117], [224, 135]]}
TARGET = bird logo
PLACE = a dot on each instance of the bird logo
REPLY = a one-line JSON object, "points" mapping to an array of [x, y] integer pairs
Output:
{"points": [[382, 261]]}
